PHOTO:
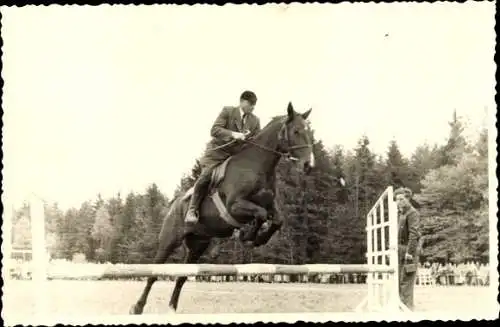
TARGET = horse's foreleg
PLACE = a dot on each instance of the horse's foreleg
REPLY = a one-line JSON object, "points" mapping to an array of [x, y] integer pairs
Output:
{"points": [[251, 234], [264, 236], [241, 207], [196, 247], [166, 247]]}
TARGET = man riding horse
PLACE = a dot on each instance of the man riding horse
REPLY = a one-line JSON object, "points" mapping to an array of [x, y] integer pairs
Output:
{"points": [[242, 175], [233, 125]]}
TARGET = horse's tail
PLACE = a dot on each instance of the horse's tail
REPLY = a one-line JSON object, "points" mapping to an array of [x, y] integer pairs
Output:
{"points": [[169, 204]]}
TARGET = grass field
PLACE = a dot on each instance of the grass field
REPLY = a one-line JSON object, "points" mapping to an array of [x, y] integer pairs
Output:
{"points": [[115, 297]]}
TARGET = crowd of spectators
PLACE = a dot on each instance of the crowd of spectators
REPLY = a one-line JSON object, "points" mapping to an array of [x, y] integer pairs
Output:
{"points": [[467, 273]]}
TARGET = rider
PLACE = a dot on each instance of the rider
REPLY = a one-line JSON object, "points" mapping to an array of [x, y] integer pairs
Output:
{"points": [[231, 126]]}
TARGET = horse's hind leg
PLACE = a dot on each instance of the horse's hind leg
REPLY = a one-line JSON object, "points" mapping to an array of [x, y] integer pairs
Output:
{"points": [[241, 207], [164, 250], [196, 245]]}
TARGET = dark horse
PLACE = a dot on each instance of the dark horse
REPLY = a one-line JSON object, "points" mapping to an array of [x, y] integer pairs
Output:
{"points": [[246, 190]]}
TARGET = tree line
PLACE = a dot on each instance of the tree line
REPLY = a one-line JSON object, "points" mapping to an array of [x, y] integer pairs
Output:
{"points": [[322, 223]]}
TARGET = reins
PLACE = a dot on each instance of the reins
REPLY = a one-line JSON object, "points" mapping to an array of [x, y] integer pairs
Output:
{"points": [[285, 154]]}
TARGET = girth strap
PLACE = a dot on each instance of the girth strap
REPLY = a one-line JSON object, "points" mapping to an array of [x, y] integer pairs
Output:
{"points": [[223, 211]]}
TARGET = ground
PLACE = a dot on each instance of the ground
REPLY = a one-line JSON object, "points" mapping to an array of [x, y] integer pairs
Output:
{"points": [[116, 297]]}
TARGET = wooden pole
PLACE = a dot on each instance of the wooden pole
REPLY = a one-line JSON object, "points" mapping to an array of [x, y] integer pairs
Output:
{"points": [[40, 260]]}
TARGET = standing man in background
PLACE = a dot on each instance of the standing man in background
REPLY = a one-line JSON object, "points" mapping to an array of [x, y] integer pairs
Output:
{"points": [[408, 244], [233, 125]]}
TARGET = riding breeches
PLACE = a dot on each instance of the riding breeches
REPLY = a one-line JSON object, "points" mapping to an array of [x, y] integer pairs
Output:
{"points": [[212, 158]]}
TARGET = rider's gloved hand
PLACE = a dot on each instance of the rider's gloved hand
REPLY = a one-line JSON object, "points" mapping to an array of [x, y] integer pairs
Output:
{"points": [[238, 136]]}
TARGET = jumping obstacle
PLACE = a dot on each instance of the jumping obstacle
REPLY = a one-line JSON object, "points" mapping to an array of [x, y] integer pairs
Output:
{"points": [[382, 250], [381, 267], [178, 270]]}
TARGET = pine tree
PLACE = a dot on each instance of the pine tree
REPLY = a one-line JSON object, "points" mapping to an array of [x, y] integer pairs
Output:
{"points": [[142, 237], [481, 145], [102, 233], [456, 144], [339, 193], [423, 159], [156, 210], [454, 201], [188, 180], [397, 170], [21, 231], [114, 208], [124, 225], [68, 235], [136, 238], [84, 221], [365, 188]]}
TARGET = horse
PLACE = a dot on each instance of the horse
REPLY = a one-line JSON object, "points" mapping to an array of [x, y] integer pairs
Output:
{"points": [[242, 192]]}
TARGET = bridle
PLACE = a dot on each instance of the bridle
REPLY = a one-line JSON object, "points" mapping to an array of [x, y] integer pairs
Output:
{"points": [[284, 140]]}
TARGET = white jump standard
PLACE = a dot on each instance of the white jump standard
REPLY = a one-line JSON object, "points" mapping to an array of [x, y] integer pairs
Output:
{"points": [[382, 249]]}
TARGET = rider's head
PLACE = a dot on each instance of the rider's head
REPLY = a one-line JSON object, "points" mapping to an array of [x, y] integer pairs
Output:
{"points": [[248, 99]]}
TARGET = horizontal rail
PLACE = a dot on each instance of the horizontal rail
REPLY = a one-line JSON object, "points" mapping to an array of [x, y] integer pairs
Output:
{"points": [[177, 270], [378, 226]]}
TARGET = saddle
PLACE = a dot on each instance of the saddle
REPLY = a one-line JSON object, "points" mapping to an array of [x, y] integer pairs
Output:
{"points": [[217, 176]]}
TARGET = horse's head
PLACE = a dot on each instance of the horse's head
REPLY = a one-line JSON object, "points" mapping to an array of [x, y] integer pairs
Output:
{"points": [[296, 139]]}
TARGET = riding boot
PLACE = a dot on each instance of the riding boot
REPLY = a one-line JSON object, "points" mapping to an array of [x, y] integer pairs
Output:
{"points": [[200, 186]]}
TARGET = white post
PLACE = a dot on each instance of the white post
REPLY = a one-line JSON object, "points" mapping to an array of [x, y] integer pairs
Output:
{"points": [[382, 293], [369, 257], [39, 260], [385, 296]]}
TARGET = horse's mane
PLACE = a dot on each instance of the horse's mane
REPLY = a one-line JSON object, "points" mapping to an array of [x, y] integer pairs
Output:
{"points": [[277, 117], [274, 120], [264, 131]]}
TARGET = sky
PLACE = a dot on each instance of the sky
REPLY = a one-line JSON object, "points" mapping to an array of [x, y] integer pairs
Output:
{"points": [[110, 99]]}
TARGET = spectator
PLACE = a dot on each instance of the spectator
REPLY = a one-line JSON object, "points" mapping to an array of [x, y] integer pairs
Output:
{"points": [[408, 239]]}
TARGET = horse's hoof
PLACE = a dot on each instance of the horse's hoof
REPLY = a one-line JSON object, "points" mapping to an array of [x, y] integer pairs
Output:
{"points": [[171, 310], [134, 310], [259, 241], [242, 237], [257, 244]]}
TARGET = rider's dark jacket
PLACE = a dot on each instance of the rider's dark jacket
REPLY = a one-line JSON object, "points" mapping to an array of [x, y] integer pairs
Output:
{"points": [[229, 120]]}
